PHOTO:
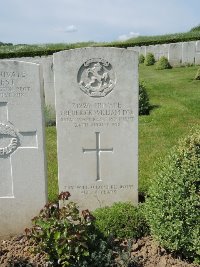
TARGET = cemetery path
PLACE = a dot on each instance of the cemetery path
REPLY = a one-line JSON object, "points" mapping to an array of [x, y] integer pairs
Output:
{"points": [[16, 253]]}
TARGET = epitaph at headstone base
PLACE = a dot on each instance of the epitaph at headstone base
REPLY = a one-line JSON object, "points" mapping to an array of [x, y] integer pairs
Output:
{"points": [[97, 120]]}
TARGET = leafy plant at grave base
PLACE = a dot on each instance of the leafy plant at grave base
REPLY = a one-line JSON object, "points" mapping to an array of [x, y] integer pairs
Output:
{"points": [[162, 64], [121, 220], [149, 59], [50, 116], [124, 254], [144, 105], [68, 238], [141, 58], [197, 76], [173, 206]]}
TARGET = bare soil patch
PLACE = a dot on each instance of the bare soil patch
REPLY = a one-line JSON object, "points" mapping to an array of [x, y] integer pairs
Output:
{"points": [[16, 252]]}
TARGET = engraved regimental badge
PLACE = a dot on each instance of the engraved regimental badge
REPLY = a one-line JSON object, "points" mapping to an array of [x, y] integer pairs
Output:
{"points": [[9, 140], [96, 77]]}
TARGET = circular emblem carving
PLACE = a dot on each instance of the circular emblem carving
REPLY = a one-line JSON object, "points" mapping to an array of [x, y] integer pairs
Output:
{"points": [[96, 77], [9, 140]]}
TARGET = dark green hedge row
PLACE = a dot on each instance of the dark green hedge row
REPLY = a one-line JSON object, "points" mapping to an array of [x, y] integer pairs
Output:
{"points": [[140, 41], [152, 42], [35, 53]]}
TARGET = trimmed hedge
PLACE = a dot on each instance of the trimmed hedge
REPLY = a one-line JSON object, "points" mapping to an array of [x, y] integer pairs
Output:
{"points": [[121, 220], [149, 59], [139, 41], [173, 205], [144, 105], [162, 64], [141, 58]]}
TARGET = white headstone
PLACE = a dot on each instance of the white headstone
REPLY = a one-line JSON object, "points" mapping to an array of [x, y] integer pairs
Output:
{"points": [[188, 54], [48, 76], [175, 54], [150, 49], [22, 162], [97, 124], [143, 51], [135, 48], [197, 53], [161, 50]]}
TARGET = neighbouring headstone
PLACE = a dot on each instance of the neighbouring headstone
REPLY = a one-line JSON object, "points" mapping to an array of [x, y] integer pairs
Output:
{"points": [[48, 76], [135, 48], [161, 50], [188, 53], [97, 125], [22, 161], [197, 53], [150, 49], [143, 51], [175, 54]]}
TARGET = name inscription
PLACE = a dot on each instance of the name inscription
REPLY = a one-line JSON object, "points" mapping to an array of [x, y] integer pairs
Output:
{"points": [[11, 84], [96, 114]]}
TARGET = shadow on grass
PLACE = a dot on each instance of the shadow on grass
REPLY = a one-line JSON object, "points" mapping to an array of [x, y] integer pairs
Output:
{"points": [[152, 107], [147, 111]]}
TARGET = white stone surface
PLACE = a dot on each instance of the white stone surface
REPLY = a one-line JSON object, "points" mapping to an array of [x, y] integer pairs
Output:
{"points": [[188, 53], [22, 160], [161, 51], [135, 48], [143, 50], [97, 125], [175, 54], [46, 63], [150, 49], [197, 53], [48, 76]]}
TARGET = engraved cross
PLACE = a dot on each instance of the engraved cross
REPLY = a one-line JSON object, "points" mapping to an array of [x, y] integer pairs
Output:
{"points": [[98, 151], [10, 142]]}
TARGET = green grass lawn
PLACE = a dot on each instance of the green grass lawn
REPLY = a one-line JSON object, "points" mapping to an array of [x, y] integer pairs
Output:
{"points": [[175, 97], [52, 165]]}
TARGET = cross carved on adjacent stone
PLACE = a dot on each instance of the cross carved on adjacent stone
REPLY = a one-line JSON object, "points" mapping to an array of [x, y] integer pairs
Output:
{"points": [[11, 140], [98, 150]]}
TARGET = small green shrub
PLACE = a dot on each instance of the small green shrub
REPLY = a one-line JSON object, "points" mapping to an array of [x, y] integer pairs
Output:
{"points": [[149, 59], [144, 105], [141, 58], [162, 64], [68, 238], [173, 205], [50, 116], [197, 76], [121, 220]]}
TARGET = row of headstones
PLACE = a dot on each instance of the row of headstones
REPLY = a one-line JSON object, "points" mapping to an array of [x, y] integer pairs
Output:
{"points": [[96, 108], [177, 54]]}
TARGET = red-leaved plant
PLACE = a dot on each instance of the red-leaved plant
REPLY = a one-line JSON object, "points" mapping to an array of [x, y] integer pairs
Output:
{"points": [[62, 232]]}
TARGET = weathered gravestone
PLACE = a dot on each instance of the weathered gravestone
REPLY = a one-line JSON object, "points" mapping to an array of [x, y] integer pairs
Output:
{"points": [[47, 67], [188, 53], [22, 164], [97, 124], [197, 53], [175, 54]]}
